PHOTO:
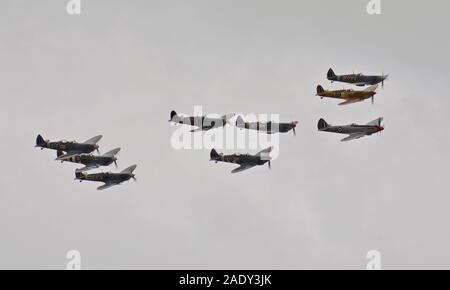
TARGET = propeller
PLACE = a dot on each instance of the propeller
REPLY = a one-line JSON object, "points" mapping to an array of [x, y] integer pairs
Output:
{"points": [[134, 178], [270, 165], [382, 127], [115, 163], [383, 78], [294, 125]]}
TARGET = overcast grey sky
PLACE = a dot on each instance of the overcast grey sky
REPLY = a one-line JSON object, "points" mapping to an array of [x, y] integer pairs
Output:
{"points": [[120, 67]]}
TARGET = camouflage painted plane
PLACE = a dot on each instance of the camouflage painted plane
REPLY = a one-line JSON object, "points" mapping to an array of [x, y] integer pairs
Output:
{"points": [[350, 96], [353, 130], [92, 162], [203, 123], [70, 148], [246, 161], [268, 127], [109, 179], [357, 79]]}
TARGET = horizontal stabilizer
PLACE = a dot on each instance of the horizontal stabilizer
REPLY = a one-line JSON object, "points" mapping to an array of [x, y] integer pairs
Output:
{"points": [[66, 156]]}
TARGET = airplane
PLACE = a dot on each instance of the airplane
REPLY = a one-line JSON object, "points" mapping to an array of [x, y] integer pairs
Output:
{"points": [[269, 127], [357, 79], [71, 148], [246, 161], [92, 162], [203, 123], [109, 179], [354, 131], [350, 96]]}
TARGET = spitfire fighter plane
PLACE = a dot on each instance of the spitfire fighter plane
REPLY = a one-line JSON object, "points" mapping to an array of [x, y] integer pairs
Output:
{"points": [[268, 127], [356, 79], [109, 179], [92, 162], [70, 148], [246, 161], [203, 123], [349, 96], [354, 131]]}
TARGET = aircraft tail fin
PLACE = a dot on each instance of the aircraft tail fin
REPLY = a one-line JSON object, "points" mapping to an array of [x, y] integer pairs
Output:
{"points": [[112, 153], [94, 140], [59, 153], [80, 175], [240, 123], [40, 142], [322, 124], [173, 114], [331, 74], [130, 169], [214, 155], [320, 90], [226, 118]]}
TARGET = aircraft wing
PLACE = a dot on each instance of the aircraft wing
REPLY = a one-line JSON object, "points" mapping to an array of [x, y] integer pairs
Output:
{"points": [[94, 141], [130, 169], [371, 88], [265, 154], [243, 167], [348, 102], [353, 137], [107, 185], [112, 153], [376, 122]]}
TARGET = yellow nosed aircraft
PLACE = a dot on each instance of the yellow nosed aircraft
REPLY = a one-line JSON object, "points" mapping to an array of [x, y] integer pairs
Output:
{"points": [[350, 96]]}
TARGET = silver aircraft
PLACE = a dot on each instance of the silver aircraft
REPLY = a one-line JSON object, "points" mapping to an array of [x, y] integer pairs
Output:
{"points": [[359, 80], [66, 149], [91, 161], [203, 123], [109, 179], [246, 161], [354, 131]]}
